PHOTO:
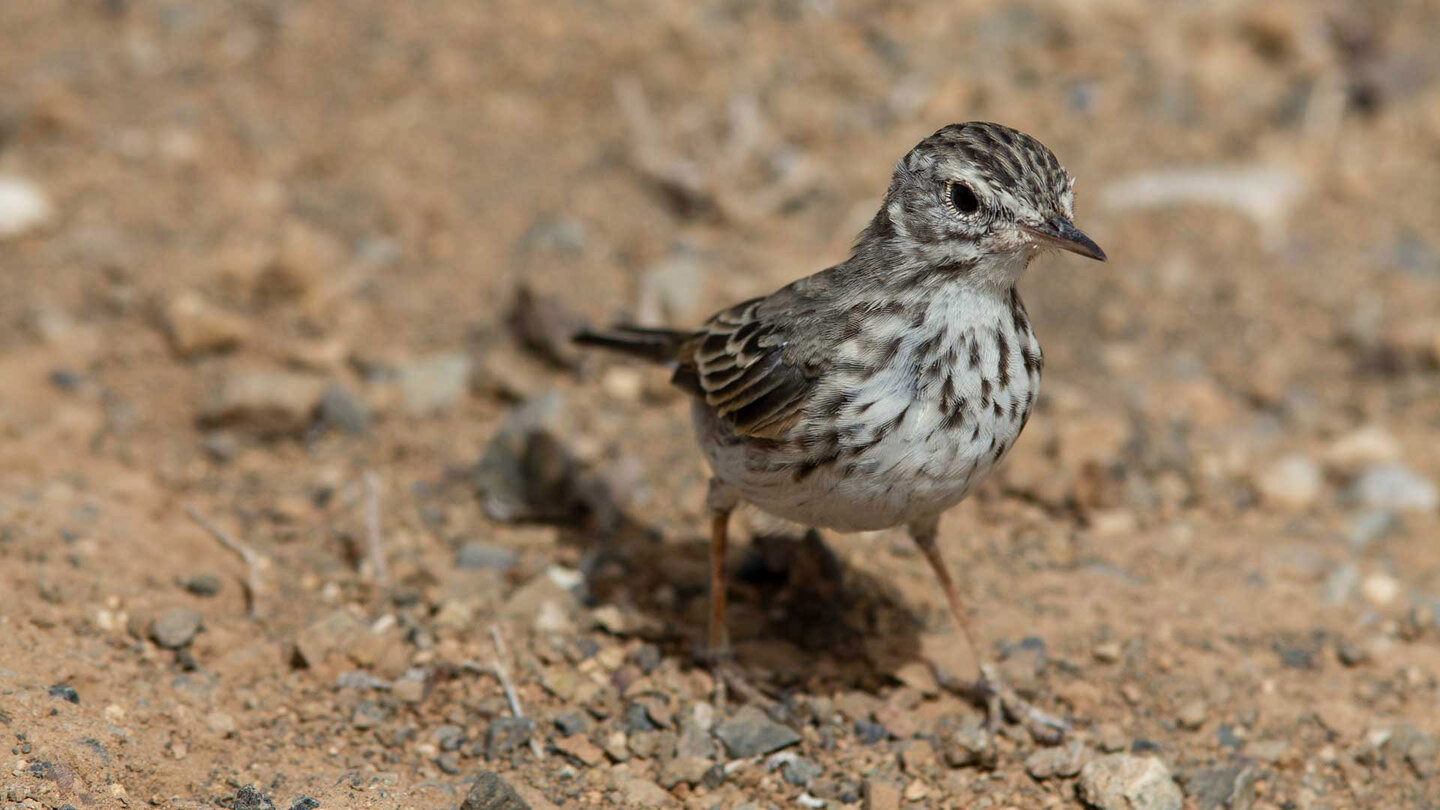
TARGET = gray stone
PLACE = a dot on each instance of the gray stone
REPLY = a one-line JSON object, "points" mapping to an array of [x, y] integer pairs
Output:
{"points": [[571, 723], [969, 744], [1222, 787], [1370, 526], [526, 474], [1395, 487], [1065, 760], [368, 714], [800, 771], [507, 734], [484, 555], [344, 409], [175, 628], [434, 384], [696, 723], [750, 732], [1126, 782], [1418, 749], [490, 792], [544, 326], [201, 584]]}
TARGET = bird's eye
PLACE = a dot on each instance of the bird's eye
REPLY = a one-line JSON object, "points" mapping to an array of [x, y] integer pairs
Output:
{"points": [[963, 199]]}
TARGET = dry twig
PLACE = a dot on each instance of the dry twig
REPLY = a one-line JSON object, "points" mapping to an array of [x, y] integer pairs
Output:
{"points": [[503, 673], [253, 561], [372, 529]]}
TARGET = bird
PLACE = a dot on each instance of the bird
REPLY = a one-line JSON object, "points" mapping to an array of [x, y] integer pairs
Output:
{"points": [[879, 392]]}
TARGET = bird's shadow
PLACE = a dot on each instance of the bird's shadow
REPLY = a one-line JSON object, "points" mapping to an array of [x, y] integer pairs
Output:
{"points": [[799, 617]]}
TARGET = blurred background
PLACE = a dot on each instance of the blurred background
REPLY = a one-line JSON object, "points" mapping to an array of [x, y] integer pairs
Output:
{"points": [[301, 274]]}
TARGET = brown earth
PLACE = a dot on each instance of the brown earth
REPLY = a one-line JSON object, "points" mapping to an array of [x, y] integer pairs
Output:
{"points": [[279, 284]]}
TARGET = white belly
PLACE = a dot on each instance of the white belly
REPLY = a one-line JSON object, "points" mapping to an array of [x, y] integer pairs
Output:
{"points": [[868, 467]]}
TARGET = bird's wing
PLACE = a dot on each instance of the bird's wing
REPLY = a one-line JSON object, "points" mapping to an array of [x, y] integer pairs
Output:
{"points": [[746, 367]]}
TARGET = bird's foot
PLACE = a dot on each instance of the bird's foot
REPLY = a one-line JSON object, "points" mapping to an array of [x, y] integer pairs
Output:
{"points": [[1001, 702], [730, 678]]}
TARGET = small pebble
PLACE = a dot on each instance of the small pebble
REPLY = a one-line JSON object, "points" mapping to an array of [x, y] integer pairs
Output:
{"points": [[800, 771], [1063, 761], [342, 408], [1125, 782], [492, 792], [571, 723], [881, 795], [507, 734], [408, 690], [1380, 589], [1293, 482], [65, 692], [1106, 652], [483, 555], [1192, 714], [175, 628], [201, 584], [220, 724]]}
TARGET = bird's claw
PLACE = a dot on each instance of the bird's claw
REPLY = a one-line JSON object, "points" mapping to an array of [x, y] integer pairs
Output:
{"points": [[1002, 701]]}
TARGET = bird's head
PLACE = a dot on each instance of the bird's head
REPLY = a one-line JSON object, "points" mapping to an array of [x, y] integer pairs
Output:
{"points": [[980, 198]]}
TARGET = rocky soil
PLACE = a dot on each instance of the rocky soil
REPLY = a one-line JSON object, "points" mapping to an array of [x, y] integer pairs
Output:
{"points": [[305, 501]]}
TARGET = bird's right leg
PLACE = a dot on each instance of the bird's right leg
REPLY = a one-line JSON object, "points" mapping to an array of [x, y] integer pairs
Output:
{"points": [[1000, 699]]}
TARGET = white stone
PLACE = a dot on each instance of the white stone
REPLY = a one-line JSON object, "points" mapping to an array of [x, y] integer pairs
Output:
{"points": [[23, 207], [1293, 482], [1392, 486]]}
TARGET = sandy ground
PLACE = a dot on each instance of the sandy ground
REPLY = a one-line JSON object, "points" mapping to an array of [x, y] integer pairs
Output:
{"points": [[296, 274]]}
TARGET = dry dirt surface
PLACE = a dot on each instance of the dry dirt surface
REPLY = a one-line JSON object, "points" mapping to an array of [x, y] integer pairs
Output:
{"points": [[298, 472]]}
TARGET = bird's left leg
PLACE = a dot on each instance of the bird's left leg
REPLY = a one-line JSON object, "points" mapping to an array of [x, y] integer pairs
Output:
{"points": [[721, 501], [999, 698]]}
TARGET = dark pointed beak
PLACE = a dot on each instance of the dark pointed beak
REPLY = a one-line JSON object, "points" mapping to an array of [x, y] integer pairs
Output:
{"points": [[1059, 232]]}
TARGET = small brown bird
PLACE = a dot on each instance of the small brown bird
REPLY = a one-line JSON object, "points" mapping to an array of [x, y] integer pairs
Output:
{"points": [[881, 391]]}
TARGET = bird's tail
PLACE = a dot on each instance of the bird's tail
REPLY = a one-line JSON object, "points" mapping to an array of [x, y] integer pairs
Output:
{"points": [[655, 345]]}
